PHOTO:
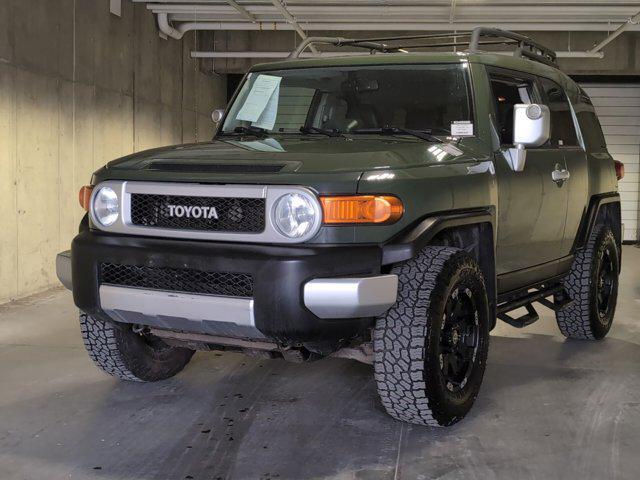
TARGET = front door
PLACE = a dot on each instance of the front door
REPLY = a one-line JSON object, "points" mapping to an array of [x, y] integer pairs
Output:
{"points": [[531, 205]]}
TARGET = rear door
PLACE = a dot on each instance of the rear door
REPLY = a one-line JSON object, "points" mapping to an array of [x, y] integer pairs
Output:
{"points": [[531, 206]]}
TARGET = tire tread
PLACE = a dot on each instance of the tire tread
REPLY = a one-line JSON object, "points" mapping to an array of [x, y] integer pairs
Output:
{"points": [[399, 338], [101, 343], [575, 320]]}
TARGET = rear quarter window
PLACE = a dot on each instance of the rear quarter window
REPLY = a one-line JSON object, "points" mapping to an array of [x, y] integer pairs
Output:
{"points": [[591, 131], [563, 132]]}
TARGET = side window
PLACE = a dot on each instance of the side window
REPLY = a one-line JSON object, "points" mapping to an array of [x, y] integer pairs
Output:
{"points": [[590, 125], [563, 132], [591, 131], [508, 91]]}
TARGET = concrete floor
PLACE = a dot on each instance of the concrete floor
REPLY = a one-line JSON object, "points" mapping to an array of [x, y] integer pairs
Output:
{"points": [[549, 408]]}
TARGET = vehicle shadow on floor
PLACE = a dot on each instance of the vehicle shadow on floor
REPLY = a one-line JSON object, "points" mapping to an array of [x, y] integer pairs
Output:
{"points": [[227, 416]]}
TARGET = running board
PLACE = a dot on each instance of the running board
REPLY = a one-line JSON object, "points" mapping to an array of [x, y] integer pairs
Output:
{"points": [[524, 320], [526, 300]]}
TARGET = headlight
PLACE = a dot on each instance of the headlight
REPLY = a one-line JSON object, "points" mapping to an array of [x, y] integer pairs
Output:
{"points": [[106, 206], [294, 215]]}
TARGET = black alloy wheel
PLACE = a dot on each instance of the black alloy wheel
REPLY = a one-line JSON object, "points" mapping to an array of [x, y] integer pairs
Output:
{"points": [[459, 338], [607, 276]]}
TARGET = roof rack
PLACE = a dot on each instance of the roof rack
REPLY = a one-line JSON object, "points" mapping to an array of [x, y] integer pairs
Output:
{"points": [[479, 36]]}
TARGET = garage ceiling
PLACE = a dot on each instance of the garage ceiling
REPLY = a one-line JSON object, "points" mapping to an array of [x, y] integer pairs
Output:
{"points": [[404, 15]]}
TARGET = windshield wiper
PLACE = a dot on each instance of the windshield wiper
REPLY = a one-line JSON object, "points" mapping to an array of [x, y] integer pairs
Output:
{"points": [[423, 134], [251, 130], [330, 133]]}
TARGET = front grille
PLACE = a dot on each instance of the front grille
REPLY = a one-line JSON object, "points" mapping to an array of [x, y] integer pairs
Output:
{"points": [[177, 280], [239, 215]]}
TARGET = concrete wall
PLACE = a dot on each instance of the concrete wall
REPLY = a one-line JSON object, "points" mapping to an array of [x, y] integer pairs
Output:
{"points": [[622, 57], [79, 87]]}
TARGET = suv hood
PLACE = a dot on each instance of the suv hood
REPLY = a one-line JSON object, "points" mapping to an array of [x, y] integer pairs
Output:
{"points": [[282, 159]]}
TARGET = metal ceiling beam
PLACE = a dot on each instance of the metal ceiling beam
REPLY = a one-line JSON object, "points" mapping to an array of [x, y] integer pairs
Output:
{"points": [[291, 19], [243, 11], [386, 3], [622, 28], [175, 17]]}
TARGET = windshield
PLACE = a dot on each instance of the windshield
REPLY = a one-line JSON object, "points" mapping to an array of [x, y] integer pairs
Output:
{"points": [[432, 98]]}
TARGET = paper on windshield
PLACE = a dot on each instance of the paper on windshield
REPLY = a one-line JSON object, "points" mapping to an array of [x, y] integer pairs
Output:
{"points": [[261, 105], [263, 145], [268, 117]]}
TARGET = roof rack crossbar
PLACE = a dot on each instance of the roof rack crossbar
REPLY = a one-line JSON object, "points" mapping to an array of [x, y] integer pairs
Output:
{"points": [[341, 42], [527, 47]]}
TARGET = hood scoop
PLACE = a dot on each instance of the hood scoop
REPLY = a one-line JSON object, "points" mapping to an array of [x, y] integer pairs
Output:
{"points": [[214, 167]]}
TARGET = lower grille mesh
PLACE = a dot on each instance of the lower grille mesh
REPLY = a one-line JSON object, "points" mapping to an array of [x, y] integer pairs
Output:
{"points": [[177, 280]]}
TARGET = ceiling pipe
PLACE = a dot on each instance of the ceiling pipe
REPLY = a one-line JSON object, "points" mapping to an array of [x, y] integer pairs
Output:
{"points": [[183, 27], [178, 32], [358, 10], [622, 28], [249, 54], [572, 54], [166, 28]]}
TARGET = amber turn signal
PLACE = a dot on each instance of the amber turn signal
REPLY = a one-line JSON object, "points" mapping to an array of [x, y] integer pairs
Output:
{"points": [[374, 209], [84, 196]]}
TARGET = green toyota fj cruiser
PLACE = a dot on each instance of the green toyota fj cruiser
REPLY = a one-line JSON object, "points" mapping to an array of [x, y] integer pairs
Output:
{"points": [[384, 207]]}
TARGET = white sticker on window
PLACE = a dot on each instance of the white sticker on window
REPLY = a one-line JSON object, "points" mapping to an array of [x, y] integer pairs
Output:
{"points": [[260, 102], [462, 128]]}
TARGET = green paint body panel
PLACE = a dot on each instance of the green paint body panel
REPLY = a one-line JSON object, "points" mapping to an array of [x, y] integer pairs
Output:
{"points": [[536, 221]]}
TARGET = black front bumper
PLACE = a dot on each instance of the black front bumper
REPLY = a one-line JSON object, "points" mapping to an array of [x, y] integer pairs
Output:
{"points": [[279, 274]]}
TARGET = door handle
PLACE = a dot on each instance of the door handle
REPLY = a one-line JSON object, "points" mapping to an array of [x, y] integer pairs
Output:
{"points": [[560, 175]]}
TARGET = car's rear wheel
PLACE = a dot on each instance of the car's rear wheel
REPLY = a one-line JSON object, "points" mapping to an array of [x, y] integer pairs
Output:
{"points": [[430, 348], [592, 285], [127, 355]]}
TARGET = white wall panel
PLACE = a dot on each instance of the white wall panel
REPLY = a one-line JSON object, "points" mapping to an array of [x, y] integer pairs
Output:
{"points": [[618, 107]]}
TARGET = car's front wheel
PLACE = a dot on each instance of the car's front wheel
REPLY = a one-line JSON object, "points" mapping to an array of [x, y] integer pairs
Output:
{"points": [[430, 348], [127, 355]]}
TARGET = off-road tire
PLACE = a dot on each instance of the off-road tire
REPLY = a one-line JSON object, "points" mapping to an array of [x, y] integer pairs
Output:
{"points": [[121, 352], [581, 319], [406, 339]]}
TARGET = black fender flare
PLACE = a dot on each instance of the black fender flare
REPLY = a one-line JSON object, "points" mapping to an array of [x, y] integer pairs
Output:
{"points": [[591, 216], [411, 241]]}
